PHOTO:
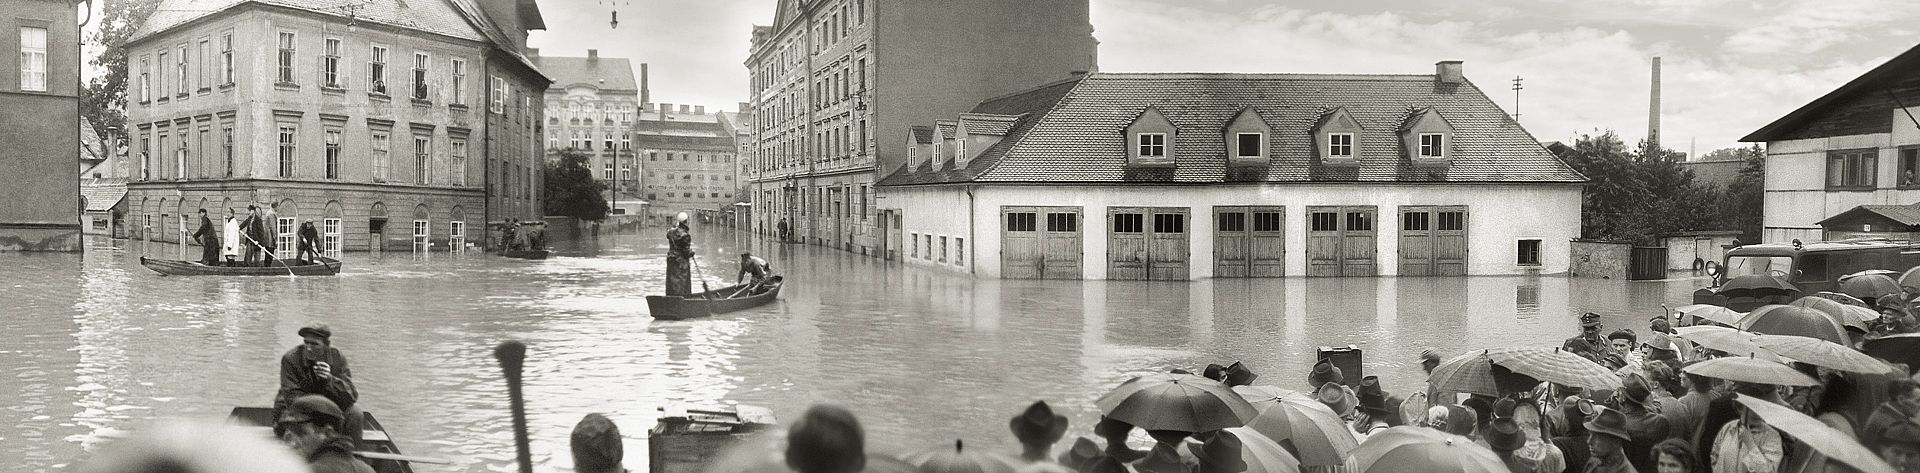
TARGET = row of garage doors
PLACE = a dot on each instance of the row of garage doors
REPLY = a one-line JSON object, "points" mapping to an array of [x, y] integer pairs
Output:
{"points": [[1152, 243]]}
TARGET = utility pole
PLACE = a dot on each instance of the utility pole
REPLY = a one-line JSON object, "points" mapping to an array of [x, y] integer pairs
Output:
{"points": [[1516, 99]]}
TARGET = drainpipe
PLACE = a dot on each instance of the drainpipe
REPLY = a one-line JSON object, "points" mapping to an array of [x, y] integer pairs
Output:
{"points": [[970, 229]]}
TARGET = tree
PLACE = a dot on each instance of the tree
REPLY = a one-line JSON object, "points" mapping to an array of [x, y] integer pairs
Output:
{"points": [[104, 100], [1745, 199], [1638, 195], [571, 190]]}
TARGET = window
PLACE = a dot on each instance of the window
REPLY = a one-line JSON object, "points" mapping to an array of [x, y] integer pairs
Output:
{"points": [[1432, 145], [1266, 221], [284, 248], [422, 234], [1129, 223], [286, 150], [330, 237], [1020, 222], [180, 82], [499, 95], [626, 172], [457, 161], [1851, 168], [377, 70], [1063, 222], [626, 141], [459, 82], [379, 156], [201, 68], [607, 172], [330, 64], [912, 239], [226, 147], [1152, 145], [608, 141], [1169, 223], [333, 153], [1249, 145], [959, 250], [422, 156], [286, 57], [180, 157], [1233, 222], [943, 249], [1529, 253], [161, 76], [1339, 145], [226, 59], [1359, 221], [928, 241], [1909, 167], [1325, 221], [419, 76], [1416, 221], [456, 236], [1452, 221], [33, 59], [146, 79]]}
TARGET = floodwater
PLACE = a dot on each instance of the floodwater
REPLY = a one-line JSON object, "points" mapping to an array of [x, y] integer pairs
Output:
{"points": [[94, 344]]}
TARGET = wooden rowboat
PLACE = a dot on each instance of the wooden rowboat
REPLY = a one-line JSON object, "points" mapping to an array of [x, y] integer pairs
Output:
{"points": [[377, 449], [716, 301], [526, 254], [325, 267]]}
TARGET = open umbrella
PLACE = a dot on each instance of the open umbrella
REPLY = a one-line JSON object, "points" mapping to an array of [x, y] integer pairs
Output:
{"points": [[1883, 272], [1750, 370], [1711, 312], [1823, 304], [1732, 341], [1313, 429], [1757, 285], [1555, 365], [1837, 446], [1182, 402], [1841, 298], [1870, 286], [1473, 372], [1262, 454], [1408, 448], [1819, 352], [1794, 320], [959, 460], [1910, 280], [1902, 348]]}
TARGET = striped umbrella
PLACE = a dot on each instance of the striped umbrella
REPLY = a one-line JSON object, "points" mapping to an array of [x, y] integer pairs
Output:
{"points": [[1297, 418], [1750, 370], [1473, 372], [1555, 365], [1408, 448], [1819, 352], [1711, 312]]}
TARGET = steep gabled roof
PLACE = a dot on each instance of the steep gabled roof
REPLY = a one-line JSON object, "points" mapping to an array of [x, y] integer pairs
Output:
{"points": [[1901, 67], [1901, 214], [567, 71]]}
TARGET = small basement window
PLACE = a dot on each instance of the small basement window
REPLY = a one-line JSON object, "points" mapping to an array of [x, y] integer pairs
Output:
{"points": [[1529, 253]]}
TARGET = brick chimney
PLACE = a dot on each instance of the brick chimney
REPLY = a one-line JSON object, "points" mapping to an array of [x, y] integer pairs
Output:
{"points": [[1448, 72], [699, 110], [593, 55], [743, 108], [533, 53], [684, 109]]}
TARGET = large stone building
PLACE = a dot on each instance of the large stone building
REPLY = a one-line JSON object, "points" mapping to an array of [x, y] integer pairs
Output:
{"points": [[39, 107], [1190, 176], [688, 160], [594, 101], [389, 124], [740, 124], [835, 84], [1848, 163]]}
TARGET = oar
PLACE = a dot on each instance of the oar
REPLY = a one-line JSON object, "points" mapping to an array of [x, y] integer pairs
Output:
{"points": [[404, 458], [511, 354], [269, 253]]}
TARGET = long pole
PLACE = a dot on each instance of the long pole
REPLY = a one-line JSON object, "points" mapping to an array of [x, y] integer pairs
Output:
{"points": [[512, 354]]}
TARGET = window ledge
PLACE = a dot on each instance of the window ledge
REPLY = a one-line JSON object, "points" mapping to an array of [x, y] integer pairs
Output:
{"points": [[181, 95], [1247, 161], [379, 96], [205, 90], [286, 86], [1528, 265], [146, 102], [421, 102], [1851, 188], [1151, 162], [160, 99], [226, 87], [457, 107], [1429, 161], [333, 90]]}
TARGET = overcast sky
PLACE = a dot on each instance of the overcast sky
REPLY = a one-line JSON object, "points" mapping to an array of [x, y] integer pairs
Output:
{"points": [[1730, 66]]}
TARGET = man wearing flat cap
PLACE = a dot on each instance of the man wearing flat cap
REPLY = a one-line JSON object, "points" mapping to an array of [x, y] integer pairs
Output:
{"points": [[316, 367], [310, 425], [1589, 344]]}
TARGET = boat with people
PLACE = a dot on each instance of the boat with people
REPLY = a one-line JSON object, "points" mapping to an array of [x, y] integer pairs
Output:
{"points": [[1808, 268], [376, 448], [321, 266], [717, 301], [526, 254]]}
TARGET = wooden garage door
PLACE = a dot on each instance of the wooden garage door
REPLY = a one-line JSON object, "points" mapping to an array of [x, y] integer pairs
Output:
{"points": [[1433, 241], [1147, 243], [1020, 252], [1040, 243], [1249, 242], [1340, 241], [1168, 247], [1060, 243], [1127, 243]]}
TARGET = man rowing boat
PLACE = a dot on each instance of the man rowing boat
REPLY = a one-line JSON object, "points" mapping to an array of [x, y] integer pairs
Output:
{"points": [[754, 266]]}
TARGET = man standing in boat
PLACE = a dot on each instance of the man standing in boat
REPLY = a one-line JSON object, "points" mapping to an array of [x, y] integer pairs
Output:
{"points": [[209, 241], [755, 266], [679, 256], [316, 367]]}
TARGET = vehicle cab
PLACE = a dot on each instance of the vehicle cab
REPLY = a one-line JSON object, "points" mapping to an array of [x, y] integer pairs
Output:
{"points": [[1811, 267]]}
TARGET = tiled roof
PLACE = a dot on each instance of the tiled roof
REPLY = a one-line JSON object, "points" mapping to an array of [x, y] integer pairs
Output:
{"points": [[435, 16], [946, 128], [102, 194], [1078, 138], [987, 123], [922, 134], [1027, 105], [606, 73], [1902, 214]]}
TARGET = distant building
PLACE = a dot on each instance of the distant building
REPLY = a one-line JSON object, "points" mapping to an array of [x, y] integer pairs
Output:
{"points": [[1848, 163], [388, 124], [1190, 176], [689, 160], [106, 206], [836, 83], [593, 102], [741, 124], [39, 107]]}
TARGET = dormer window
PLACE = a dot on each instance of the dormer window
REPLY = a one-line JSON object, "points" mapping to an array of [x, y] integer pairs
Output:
{"points": [[1432, 146], [1152, 145], [1424, 137], [1246, 139], [1338, 134], [1247, 145], [1149, 139], [1340, 145]]}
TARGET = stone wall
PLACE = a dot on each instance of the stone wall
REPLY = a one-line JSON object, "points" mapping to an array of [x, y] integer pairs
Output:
{"points": [[1599, 259]]}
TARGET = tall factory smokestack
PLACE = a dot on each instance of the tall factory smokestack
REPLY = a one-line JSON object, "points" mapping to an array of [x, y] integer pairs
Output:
{"points": [[1653, 110]]}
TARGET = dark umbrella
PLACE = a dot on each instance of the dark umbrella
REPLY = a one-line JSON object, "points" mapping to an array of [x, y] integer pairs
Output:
{"points": [[1870, 286], [1757, 286], [1473, 372], [1794, 320], [959, 460], [1181, 402], [1902, 348]]}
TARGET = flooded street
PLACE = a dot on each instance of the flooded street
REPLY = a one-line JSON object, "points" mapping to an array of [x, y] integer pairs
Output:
{"points": [[94, 343]]}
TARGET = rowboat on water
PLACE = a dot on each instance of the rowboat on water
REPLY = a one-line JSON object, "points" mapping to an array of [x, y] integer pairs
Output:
{"points": [[323, 267], [377, 449], [526, 254], [722, 300]]}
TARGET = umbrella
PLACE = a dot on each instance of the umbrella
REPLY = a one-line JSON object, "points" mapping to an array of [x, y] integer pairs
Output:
{"points": [[1555, 365], [1883, 272], [1262, 454], [1830, 306], [1315, 431], [1757, 285], [1819, 352], [1910, 280], [1474, 373], [1837, 446], [1182, 402], [1712, 312], [1732, 341], [1902, 348], [1870, 286], [1750, 370], [1841, 298], [1858, 317], [1409, 448], [959, 460], [766, 453], [1794, 320]]}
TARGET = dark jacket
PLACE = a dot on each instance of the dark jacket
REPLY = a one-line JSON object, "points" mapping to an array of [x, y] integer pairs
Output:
{"points": [[309, 237], [336, 456], [1596, 352], [254, 229], [679, 243], [207, 232], [1647, 430], [1883, 418], [297, 379]]}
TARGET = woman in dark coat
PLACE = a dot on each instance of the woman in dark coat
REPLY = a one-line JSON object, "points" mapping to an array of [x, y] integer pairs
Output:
{"points": [[679, 257]]}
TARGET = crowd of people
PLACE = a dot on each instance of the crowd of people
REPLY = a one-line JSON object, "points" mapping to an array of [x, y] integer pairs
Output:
{"points": [[251, 241]]}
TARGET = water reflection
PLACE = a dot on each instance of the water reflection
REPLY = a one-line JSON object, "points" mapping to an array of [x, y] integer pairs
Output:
{"points": [[99, 343]]}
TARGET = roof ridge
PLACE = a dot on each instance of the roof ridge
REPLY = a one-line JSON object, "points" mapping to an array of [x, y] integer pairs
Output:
{"points": [[1022, 139], [1253, 75]]}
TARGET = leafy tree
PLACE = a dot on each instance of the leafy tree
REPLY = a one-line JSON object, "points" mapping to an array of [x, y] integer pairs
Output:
{"points": [[1640, 194], [571, 190], [104, 100], [1745, 199]]}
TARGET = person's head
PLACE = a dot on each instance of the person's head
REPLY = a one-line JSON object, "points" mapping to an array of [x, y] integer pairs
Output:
{"points": [[680, 219], [1221, 454], [1673, 456], [1622, 340], [1659, 325], [1110, 428], [1482, 408], [1238, 374], [316, 337], [1700, 384], [253, 209], [1038, 425], [1900, 447], [1324, 372], [1527, 416], [1633, 394], [597, 446], [745, 256], [1429, 360], [203, 212], [1607, 432], [309, 422], [1904, 394], [229, 212], [1753, 424], [1590, 326], [1836, 395], [827, 439]]}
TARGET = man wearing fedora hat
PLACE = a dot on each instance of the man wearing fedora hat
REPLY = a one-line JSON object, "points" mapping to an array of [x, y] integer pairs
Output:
{"points": [[1338, 397], [1504, 438], [1083, 451], [1589, 344], [1324, 372], [1374, 409], [1644, 428], [316, 367], [1038, 429], [1221, 454], [1607, 439], [1115, 431], [1237, 374]]}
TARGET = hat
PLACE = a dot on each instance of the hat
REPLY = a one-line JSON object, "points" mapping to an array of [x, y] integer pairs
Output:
{"points": [[596, 444], [1324, 372], [1163, 459], [1503, 408], [1504, 435], [1084, 450], [1660, 324], [827, 439], [313, 408], [1608, 422], [1237, 374], [1461, 420], [680, 217], [1429, 354], [1215, 372], [1589, 320], [1372, 399], [316, 329], [1337, 397], [1660, 341], [1623, 334], [1222, 453], [1104, 465], [1635, 393], [1039, 425]]}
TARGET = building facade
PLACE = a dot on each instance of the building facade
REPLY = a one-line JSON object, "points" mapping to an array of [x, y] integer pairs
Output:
{"points": [[740, 125], [39, 106], [688, 158], [591, 108], [835, 84], [388, 126], [1847, 164], [1191, 176]]}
